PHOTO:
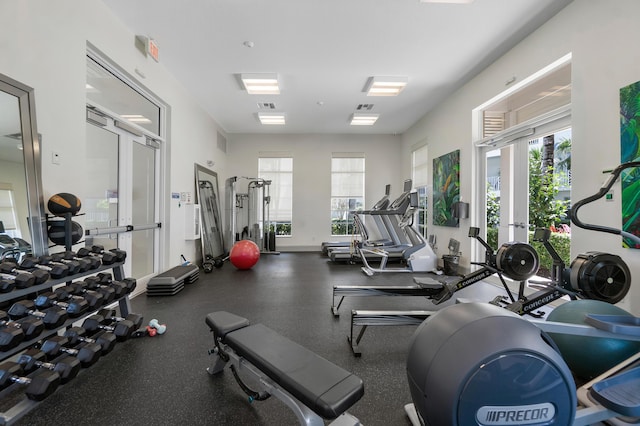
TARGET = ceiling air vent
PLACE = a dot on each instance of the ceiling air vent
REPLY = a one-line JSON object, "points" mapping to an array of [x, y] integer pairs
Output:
{"points": [[266, 105], [364, 107]]}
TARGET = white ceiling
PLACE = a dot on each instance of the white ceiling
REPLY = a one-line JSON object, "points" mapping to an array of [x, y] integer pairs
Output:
{"points": [[325, 50]]}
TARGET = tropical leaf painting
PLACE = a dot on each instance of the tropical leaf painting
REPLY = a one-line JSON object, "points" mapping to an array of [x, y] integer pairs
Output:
{"points": [[446, 188], [630, 151]]}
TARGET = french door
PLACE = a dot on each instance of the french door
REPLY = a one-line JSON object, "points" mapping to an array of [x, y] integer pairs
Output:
{"points": [[506, 178], [121, 198]]}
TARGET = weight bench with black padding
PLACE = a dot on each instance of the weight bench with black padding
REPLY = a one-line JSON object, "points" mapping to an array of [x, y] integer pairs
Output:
{"points": [[313, 387]]}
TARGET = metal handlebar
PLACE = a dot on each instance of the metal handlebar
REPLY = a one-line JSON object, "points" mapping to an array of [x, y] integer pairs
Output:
{"points": [[573, 213]]}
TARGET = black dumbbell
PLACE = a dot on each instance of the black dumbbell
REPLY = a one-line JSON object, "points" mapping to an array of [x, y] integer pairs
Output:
{"points": [[108, 293], [87, 353], [9, 282], [74, 307], [106, 278], [10, 336], [38, 387], [106, 258], [105, 339], [120, 255], [55, 270], [99, 281], [52, 317], [130, 282], [67, 366], [90, 261], [103, 277], [72, 266], [12, 333], [122, 329], [110, 317], [71, 291], [67, 258], [11, 269]]}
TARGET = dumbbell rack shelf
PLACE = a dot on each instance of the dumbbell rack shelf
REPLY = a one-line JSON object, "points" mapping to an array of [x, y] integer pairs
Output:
{"points": [[24, 405]]}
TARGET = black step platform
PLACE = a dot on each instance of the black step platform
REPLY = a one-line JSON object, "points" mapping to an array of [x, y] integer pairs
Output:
{"points": [[173, 280]]}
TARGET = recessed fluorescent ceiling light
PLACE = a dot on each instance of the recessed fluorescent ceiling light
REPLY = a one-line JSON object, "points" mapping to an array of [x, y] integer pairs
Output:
{"points": [[271, 118], [363, 119], [447, 1], [385, 86], [261, 84], [136, 118]]}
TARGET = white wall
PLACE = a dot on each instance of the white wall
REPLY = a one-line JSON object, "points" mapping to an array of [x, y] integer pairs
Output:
{"points": [[312, 175], [599, 34], [43, 45]]}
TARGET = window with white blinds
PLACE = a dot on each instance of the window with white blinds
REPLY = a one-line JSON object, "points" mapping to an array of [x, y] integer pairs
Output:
{"points": [[279, 170], [541, 98], [347, 190]]}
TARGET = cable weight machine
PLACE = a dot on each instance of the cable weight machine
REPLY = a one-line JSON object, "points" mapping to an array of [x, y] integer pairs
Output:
{"points": [[248, 214]]}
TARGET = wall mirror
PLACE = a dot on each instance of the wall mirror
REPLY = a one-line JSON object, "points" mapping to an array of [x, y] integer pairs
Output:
{"points": [[210, 221], [22, 215]]}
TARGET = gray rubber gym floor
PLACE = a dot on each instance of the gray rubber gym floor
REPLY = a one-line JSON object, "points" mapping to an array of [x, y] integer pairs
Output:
{"points": [[162, 380]]}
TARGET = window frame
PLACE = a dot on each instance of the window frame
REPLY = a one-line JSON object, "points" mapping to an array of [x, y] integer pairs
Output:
{"points": [[283, 227], [420, 179], [513, 142], [341, 218]]}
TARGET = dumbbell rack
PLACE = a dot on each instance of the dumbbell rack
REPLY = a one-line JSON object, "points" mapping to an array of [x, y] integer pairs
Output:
{"points": [[24, 405]]}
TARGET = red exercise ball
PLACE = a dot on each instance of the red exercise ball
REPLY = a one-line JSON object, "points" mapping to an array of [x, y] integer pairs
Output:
{"points": [[244, 254]]}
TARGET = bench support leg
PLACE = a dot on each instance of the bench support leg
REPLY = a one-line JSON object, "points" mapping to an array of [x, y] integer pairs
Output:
{"points": [[303, 413], [218, 364]]}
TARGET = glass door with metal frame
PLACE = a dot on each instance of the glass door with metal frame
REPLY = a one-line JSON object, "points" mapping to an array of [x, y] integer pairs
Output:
{"points": [[120, 199]]}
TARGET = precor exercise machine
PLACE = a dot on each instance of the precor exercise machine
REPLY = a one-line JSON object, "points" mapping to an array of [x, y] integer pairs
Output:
{"points": [[385, 231], [327, 246], [418, 255], [491, 366]]}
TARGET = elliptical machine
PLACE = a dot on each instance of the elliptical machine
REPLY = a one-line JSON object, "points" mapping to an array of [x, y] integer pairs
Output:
{"points": [[477, 363]]}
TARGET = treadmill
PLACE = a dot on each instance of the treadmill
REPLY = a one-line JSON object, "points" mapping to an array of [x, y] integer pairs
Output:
{"points": [[387, 223], [382, 204]]}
